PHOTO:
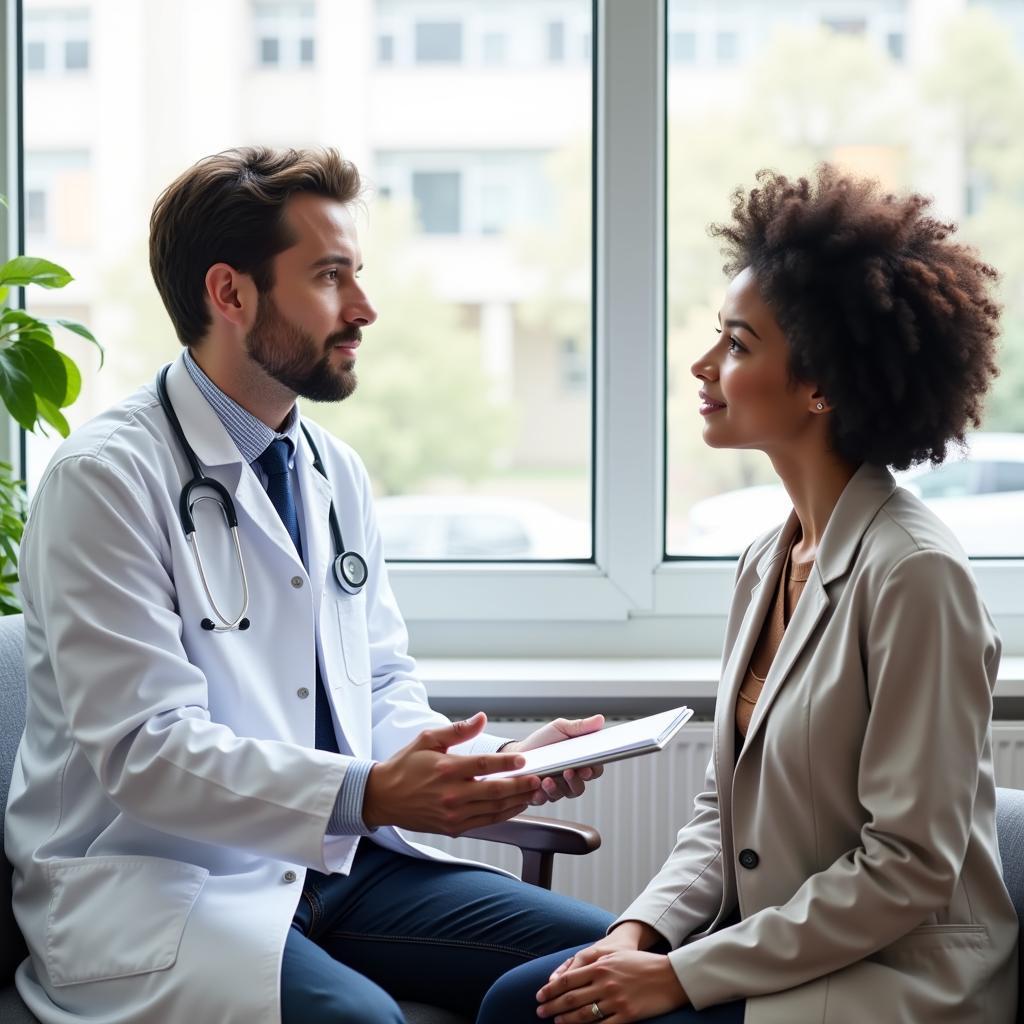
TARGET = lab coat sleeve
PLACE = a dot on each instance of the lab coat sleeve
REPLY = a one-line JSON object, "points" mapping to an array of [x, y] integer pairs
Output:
{"points": [[930, 651], [95, 569], [400, 707]]}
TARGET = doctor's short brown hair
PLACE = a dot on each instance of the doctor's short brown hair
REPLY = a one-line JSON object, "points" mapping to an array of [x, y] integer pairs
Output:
{"points": [[229, 208], [891, 318]]}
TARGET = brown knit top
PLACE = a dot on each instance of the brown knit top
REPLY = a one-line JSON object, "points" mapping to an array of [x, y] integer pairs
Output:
{"points": [[791, 585]]}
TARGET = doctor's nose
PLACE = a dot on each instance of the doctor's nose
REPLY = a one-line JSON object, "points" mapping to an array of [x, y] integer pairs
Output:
{"points": [[360, 311]]}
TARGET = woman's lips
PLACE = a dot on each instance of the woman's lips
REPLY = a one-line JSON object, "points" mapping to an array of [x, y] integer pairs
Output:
{"points": [[708, 405]]}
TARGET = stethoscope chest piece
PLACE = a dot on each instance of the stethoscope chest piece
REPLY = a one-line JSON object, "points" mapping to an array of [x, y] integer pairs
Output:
{"points": [[350, 571]]}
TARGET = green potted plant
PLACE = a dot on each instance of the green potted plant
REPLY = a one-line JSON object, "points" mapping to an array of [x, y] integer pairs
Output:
{"points": [[37, 381]]}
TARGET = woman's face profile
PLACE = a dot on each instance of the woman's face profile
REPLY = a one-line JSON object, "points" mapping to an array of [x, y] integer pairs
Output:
{"points": [[748, 397]]}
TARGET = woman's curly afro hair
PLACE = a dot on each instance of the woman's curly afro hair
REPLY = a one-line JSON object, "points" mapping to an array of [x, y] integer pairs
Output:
{"points": [[889, 317]]}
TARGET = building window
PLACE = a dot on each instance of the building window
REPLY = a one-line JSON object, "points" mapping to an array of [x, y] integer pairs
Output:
{"points": [[846, 26], [727, 47], [573, 364], [438, 199], [438, 42], [385, 49], [285, 34], [682, 48], [494, 49], [555, 33], [35, 212], [894, 42], [56, 40]]}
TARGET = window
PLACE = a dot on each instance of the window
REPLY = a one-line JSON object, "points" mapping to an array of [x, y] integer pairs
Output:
{"points": [[476, 238], [56, 39], [1007, 476], [727, 47], [35, 212], [494, 48], [683, 48], [828, 85], [284, 33], [490, 329], [555, 36], [437, 201], [438, 42], [846, 26]]}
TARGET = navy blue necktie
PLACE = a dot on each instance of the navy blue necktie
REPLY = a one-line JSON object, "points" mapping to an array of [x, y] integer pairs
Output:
{"points": [[279, 489]]}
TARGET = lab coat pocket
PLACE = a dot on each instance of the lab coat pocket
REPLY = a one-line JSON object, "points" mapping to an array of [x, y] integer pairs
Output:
{"points": [[111, 917], [355, 641]]}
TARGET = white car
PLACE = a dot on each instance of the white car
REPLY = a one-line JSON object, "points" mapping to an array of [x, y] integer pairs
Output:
{"points": [[980, 496], [475, 527]]}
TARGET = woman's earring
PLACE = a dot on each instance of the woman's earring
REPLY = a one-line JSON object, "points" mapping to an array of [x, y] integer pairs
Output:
{"points": [[820, 406]]}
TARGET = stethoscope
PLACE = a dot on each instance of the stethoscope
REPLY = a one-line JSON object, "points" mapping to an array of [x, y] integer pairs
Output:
{"points": [[349, 567]]}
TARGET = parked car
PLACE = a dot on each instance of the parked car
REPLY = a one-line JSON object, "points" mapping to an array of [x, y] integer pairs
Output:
{"points": [[979, 495], [476, 527]]}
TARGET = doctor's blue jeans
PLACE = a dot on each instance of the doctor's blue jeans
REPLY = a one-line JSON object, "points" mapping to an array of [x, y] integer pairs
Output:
{"points": [[401, 928]]}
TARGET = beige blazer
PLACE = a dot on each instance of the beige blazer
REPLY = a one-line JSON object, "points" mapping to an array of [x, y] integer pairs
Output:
{"points": [[855, 834]]}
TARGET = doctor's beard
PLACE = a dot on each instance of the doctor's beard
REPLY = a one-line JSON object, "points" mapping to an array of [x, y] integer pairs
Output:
{"points": [[289, 355]]}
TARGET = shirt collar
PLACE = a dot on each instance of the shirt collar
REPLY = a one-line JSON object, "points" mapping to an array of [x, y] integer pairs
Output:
{"points": [[250, 435]]}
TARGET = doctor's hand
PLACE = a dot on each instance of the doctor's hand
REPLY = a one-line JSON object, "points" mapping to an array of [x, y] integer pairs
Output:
{"points": [[426, 789], [573, 781]]}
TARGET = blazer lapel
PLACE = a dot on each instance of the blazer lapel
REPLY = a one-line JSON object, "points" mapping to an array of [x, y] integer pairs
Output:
{"points": [[868, 490], [735, 667]]}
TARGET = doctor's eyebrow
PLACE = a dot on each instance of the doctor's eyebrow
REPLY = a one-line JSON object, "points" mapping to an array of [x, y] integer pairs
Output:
{"points": [[334, 259]]}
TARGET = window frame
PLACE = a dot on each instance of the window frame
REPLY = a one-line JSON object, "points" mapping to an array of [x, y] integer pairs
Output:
{"points": [[630, 599]]}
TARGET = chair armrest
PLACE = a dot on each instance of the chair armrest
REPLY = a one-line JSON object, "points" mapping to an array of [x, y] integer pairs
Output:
{"points": [[540, 839]]}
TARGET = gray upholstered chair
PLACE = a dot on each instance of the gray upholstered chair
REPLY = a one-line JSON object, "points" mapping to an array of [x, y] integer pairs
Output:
{"points": [[539, 839], [1010, 827]]}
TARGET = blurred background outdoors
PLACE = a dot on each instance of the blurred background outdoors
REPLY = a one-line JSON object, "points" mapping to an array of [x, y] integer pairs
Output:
{"points": [[471, 122]]}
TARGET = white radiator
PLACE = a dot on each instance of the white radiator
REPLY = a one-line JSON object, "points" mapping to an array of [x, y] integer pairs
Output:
{"points": [[639, 805]]}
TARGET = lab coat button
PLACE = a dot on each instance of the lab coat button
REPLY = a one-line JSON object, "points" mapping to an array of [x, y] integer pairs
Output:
{"points": [[297, 582], [302, 692], [749, 859], [289, 877]]}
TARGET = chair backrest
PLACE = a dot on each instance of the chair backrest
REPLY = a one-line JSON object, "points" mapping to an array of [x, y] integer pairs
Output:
{"points": [[1010, 829], [12, 724]]}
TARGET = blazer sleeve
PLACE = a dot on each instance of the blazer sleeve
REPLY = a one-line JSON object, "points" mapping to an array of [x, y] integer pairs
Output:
{"points": [[686, 894], [931, 657]]}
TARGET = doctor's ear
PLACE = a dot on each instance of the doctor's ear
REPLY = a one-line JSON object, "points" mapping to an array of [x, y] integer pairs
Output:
{"points": [[233, 296]]}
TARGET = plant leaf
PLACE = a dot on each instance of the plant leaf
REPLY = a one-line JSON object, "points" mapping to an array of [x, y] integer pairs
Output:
{"points": [[16, 390], [49, 412], [4, 292], [25, 270], [28, 327], [45, 368], [83, 332], [74, 385]]}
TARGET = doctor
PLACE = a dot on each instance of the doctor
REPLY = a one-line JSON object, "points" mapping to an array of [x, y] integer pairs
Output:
{"points": [[224, 739]]}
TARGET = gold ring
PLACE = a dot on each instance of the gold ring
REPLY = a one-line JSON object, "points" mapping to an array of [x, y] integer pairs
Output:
{"points": [[596, 1011]]}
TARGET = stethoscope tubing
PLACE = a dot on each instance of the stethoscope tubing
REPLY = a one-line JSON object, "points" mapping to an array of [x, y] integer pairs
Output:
{"points": [[349, 567]]}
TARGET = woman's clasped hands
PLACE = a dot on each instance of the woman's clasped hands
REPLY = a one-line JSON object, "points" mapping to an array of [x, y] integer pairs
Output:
{"points": [[613, 980]]}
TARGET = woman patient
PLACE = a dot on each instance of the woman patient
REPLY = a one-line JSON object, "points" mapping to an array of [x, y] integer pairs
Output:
{"points": [[841, 864]]}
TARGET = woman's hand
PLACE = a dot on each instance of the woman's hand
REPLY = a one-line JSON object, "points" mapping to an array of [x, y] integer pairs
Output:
{"points": [[625, 985]]}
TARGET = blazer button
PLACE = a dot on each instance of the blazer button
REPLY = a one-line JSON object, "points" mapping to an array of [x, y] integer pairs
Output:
{"points": [[749, 859], [289, 876], [302, 692], [297, 582]]}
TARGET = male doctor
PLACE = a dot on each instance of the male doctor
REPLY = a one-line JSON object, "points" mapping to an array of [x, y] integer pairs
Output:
{"points": [[223, 741]]}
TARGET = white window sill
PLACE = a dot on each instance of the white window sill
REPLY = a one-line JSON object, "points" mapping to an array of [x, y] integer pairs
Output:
{"points": [[525, 680]]}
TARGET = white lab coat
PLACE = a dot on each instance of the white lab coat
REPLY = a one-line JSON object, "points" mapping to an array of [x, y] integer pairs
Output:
{"points": [[167, 797]]}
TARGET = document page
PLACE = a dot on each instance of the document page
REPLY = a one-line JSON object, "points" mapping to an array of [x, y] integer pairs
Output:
{"points": [[628, 739]]}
